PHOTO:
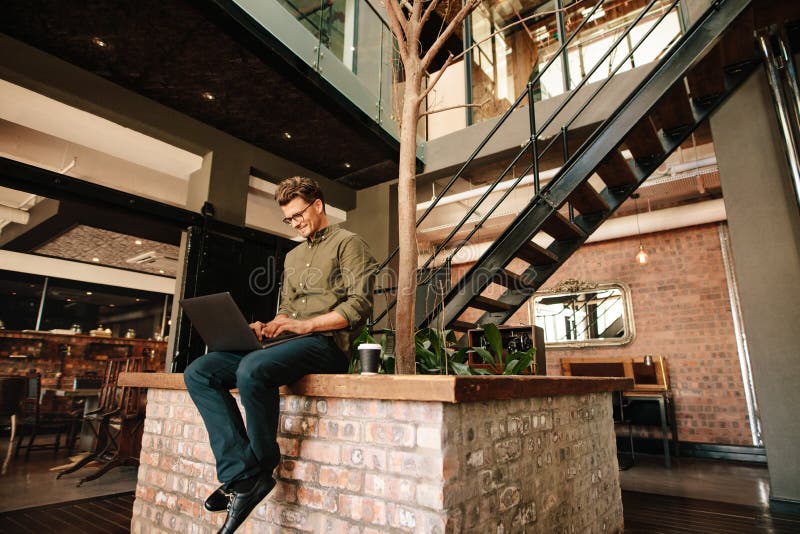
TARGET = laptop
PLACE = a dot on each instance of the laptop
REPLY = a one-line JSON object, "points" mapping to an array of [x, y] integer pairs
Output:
{"points": [[221, 324]]}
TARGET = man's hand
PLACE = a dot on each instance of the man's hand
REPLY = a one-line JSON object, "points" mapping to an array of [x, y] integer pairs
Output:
{"points": [[279, 325]]}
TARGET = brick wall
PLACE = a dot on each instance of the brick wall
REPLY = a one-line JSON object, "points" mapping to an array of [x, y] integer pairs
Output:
{"points": [[682, 311], [370, 466]]}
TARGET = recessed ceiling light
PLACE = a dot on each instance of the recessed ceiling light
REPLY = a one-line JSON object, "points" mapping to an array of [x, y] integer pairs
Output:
{"points": [[95, 260], [13, 292], [99, 42], [111, 305], [69, 300], [347, 165], [161, 271], [138, 300], [287, 135], [208, 96], [88, 292], [138, 241]]}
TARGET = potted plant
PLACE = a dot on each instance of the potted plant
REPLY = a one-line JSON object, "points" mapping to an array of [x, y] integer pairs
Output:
{"points": [[496, 360]]}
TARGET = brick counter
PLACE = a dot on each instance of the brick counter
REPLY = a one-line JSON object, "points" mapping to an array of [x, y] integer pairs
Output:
{"points": [[400, 454]]}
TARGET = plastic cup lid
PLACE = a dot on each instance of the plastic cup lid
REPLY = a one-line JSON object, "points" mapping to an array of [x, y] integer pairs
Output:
{"points": [[369, 346]]}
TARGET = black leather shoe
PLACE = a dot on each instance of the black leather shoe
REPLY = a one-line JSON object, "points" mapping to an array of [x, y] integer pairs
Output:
{"points": [[242, 503], [218, 500]]}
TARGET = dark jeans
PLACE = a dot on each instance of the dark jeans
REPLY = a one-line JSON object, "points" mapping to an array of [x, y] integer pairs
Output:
{"points": [[243, 453]]}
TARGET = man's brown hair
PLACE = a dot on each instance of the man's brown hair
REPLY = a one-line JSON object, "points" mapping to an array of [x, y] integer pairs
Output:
{"points": [[298, 186]]}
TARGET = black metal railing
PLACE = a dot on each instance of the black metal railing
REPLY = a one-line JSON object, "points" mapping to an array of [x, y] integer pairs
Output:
{"points": [[531, 146]]}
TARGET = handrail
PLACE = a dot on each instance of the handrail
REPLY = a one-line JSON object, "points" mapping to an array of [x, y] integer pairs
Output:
{"points": [[494, 130], [535, 132], [608, 79]]}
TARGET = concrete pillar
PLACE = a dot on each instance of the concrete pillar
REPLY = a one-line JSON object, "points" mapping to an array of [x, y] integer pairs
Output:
{"points": [[765, 237], [222, 180]]}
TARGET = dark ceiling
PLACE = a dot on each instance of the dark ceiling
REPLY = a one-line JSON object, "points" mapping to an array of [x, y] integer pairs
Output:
{"points": [[173, 51]]}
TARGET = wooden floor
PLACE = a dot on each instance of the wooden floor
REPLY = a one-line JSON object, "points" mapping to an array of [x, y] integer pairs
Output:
{"points": [[99, 515], [651, 514], [645, 513]]}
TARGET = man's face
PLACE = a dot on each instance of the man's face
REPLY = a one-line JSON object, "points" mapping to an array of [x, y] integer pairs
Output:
{"points": [[306, 218]]}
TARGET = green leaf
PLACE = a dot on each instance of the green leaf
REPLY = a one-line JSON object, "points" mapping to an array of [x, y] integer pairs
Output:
{"points": [[460, 355], [510, 366], [494, 339], [387, 365], [482, 372], [485, 355], [524, 362], [460, 368]]}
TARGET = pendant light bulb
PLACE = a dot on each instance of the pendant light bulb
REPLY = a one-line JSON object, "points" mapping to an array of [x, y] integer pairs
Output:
{"points": [[641, 256]]}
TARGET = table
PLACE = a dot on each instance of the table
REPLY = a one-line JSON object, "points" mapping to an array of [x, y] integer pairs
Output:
{"points": [[666, 412]]}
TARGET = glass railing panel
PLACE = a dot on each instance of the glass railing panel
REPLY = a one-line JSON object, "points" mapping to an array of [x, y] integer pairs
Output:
{"points": [[366, 59], [508, 40], [503, 64], [310, 14]]}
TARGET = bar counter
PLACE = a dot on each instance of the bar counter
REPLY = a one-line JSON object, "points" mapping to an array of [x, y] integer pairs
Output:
{"points": [[392, 453]]}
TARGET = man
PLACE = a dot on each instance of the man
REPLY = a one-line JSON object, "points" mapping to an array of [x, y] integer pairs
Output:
{"points": [[327, 291]]}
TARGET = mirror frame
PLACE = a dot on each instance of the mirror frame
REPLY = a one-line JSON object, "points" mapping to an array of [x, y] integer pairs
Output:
{"points": [[571, 286]]}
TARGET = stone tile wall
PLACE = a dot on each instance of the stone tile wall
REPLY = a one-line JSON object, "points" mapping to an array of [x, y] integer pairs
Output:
{"points": [[367, 466]]}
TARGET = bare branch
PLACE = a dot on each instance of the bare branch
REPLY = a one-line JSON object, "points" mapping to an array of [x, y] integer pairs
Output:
{"points": [[504, 28], [397, 23], [448, 108], [416, 12], [465, 10], [432, 82], [428, 11]]}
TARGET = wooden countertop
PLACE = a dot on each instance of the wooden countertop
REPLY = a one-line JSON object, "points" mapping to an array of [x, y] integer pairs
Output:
{"points": [[438, 388]]}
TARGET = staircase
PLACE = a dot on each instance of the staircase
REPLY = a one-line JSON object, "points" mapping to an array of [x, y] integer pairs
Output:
{"points": [[696, 74]]}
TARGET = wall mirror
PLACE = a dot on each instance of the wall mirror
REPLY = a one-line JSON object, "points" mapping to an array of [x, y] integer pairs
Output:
{"points": [[584, 314]]}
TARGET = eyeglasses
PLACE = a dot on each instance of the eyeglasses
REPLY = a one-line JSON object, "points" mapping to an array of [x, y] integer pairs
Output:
{"points": [[297, 217]]}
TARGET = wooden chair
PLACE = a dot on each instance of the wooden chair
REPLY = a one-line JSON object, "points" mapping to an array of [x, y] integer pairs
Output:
{"points": [[117, 422], [12, 391], [39, 417]]}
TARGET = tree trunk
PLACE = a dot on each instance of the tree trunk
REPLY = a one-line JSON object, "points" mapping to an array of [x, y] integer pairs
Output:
{"points": [[407, 215]]}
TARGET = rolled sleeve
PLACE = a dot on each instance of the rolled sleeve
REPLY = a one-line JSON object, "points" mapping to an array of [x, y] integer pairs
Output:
{"points": [[283, 306], [357, 272]]}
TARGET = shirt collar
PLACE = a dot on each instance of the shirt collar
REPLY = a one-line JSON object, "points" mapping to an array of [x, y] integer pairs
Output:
{"points": [[320, 235]]}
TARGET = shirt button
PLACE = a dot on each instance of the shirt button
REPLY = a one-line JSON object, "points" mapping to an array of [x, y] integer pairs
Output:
{"points": [[308, 265]]}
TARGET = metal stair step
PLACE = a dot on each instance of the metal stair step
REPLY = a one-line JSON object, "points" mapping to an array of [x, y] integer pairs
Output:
{"points": [[673, 112], [490, 305], [643, 141], [536, 255], [561, 228], [588, 201], [462, 326], [706, 80], [512, 280], [615, 171], [738, 45]]}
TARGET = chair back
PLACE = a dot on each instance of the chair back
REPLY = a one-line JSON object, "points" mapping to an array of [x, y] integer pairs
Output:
{"points": [[120, 398], [30, 406], [12, 390]]}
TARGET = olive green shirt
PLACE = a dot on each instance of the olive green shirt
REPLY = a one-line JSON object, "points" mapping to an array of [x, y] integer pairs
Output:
{"points": [[333, 270]]}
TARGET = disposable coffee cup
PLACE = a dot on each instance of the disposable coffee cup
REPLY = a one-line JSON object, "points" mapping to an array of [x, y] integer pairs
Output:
{"points": [[370, 355]]}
